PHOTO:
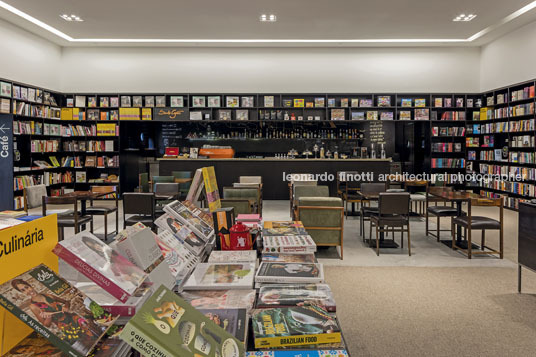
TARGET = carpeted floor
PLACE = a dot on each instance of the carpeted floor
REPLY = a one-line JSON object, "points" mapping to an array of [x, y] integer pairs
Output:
{"points": [[415, 311]]}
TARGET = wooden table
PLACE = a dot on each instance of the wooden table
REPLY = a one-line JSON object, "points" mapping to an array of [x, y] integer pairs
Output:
{"points": [[458, 197], [83, 196]]}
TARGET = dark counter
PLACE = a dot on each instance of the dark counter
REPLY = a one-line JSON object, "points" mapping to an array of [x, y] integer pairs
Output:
{"points": [[275, 187]]}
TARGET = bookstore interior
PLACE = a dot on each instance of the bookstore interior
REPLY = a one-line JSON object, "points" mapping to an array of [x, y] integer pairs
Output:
{"points": [[277, 179]]}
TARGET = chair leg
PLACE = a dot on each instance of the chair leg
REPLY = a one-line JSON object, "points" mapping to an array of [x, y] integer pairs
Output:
{"points": [[61, 232], [438, 228], [483, 239], [469, 244], [453, 235], [426, 215], [117, 221], [105, 227], [401, 238], [409, 241], [501, 242], [377, 241], [370, 230]]}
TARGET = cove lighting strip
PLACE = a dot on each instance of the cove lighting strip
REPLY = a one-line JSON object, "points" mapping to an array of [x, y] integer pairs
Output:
{"points": [[68, 38]]}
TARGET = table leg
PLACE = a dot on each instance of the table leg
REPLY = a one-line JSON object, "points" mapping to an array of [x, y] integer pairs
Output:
{"points": [[519, 278], [459, 205], [83, 211]]}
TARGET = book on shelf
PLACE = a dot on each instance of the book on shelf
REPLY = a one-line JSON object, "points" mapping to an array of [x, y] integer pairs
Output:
{"points": [[344, 102], [287, 295], [332, 102], [357, 115], [354, 102], [288, 273], [438, 102], [288, 258], [420, 102], [294, 326], [338, 114], [220, 299], [221, 276], [320, 102], [405, 115], [295, 244], [137, 101], [447, 103], [168, 324], [269, 101], [384, 101], [81, 176], [102, 264], [52, 307], [247, 101], [149, 101], [372, 115], [5, 89], [386, 116], [185, 215], [365, 103], [406, 103], [228, 256], [182, 232], [80, 101], [138, 244]]}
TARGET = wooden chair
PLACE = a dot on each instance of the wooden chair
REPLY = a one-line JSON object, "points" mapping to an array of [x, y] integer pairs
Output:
{"points": [[33, 198], [141, 207], [438, 211], [393, 216], [111, 193], [351, 193], [75, 220], [240, 206], [183, 187], [366, 210], [470, 223]]}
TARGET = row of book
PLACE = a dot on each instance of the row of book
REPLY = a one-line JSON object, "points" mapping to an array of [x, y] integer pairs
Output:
{"points": [[102, 161], [521, 94], [44, 146], [520, 188], [448, 131], [46, 178], [488, 141], [89, 146], [30, 94], [449, 115], [503, 155], [522, 141], [444, 163], [36, 111], [446, 147]]}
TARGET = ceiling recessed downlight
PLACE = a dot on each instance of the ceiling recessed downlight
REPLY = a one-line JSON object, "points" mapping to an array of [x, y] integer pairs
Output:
{"points": [[268, 18], [71, 18], [464, 17]]}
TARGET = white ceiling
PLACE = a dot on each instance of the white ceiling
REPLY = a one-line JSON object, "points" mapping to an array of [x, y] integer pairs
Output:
{"points": [[297, 19]]}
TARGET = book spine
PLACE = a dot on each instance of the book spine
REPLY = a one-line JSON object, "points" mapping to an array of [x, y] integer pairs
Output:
{"points": [[144, 344], [299, 340], [91, 273], [38, 327], [121, 310]]}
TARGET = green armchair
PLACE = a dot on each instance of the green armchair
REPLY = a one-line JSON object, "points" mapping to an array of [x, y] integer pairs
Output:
{"points": [[241, 206], [323, 218], [253, 194], [307, 191]]}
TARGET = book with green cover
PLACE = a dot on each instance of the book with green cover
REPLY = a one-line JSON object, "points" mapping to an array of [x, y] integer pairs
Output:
{"points": [[59, 312], [167, 326]]}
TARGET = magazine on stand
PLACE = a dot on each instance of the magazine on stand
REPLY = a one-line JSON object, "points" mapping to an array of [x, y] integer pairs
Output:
{"points": [[54, 308], [182, 213], [229, 256], [180, 259], [102, 264], [283, 228], [218, 276], [288, 258], [181, 231]]}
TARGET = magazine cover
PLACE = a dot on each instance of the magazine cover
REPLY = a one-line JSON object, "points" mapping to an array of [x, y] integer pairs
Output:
{"points": [[102, 264], [110, 303], [167, 326], [51, 306], [199, 212], [234, 321], [180, 260], [228, 256], [195, 244], [301, 353], [288, 258], [220, 299], [217, 276], [294, 326], [287, 295], [296, 244], [290, 273], [180, 212], [283, 228]]}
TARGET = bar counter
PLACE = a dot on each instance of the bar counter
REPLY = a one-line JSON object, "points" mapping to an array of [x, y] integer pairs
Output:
{"points": [[272, 170]]}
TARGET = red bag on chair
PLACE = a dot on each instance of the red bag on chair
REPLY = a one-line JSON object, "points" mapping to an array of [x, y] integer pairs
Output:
{"points": [[239, 238]]}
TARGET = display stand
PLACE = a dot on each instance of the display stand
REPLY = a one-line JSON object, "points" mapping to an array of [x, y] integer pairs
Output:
{"points": [[17, 256]]}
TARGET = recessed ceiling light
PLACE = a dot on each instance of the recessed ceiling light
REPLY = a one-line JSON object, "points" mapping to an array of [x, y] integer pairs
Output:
{"points": [[464, 17], [268, 18], [71, 18]]}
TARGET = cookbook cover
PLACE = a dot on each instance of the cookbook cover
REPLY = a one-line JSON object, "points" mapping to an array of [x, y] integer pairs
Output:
{"points": [[220, 299], [295, 244], [167, 326], [102, 264], [290, 273], [59, 312], [229, 256], [288, 258], [180, 260], [287, 295], [281, 228], [294, 326], [217, 276], [233, 321]]}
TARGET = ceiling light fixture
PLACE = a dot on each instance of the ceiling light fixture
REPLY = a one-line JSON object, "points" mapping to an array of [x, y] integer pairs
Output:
{"points": [[464, 18], [71, 18], [268, 18]]}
